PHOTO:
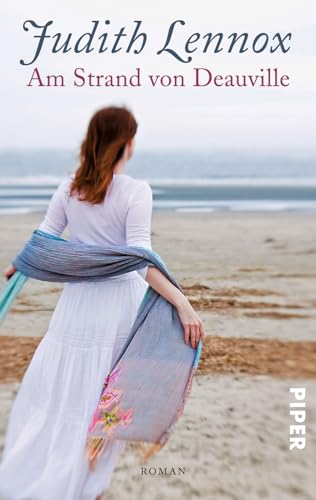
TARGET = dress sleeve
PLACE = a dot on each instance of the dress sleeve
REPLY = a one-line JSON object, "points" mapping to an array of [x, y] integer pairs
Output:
{"points": [[138, 220], [55, 219]]}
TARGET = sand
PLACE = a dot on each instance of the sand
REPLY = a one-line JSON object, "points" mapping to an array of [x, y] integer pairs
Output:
{"points": [[219, 355], [252, 277]]}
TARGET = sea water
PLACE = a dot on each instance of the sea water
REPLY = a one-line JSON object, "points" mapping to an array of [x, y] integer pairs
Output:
{"points": [[181, 181]]}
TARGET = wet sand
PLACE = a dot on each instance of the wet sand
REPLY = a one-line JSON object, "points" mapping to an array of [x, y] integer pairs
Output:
{"points": [[252, 277]]}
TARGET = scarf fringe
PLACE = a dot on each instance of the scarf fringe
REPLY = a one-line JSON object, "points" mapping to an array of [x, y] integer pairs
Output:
{"points": [[94, 448], [144, 450]]}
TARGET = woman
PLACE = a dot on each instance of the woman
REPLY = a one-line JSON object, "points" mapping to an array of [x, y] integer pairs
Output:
{"points": [[44, 456]]}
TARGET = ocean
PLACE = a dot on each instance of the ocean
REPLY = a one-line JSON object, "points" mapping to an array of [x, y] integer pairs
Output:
{"points": [[181, 181]]}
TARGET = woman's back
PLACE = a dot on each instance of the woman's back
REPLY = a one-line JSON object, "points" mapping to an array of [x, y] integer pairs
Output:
{"points": [[90, 325], [88, 329], [123, 218]]}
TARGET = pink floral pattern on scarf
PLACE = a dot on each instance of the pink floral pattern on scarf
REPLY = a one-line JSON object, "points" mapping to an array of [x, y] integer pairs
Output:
{"points": [[108, 412]]}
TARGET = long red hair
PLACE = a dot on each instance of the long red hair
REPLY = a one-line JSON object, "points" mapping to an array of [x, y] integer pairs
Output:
{"points": [[109, 131]]}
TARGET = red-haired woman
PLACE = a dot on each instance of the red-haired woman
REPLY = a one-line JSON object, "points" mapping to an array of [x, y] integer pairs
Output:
{"points": [[44, 456]]}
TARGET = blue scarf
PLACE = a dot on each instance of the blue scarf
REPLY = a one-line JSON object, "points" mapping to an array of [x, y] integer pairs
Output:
{"points": [[150, 379]]}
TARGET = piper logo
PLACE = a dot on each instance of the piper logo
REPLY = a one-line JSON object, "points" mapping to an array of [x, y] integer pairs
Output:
{"points": [[297, 410]]}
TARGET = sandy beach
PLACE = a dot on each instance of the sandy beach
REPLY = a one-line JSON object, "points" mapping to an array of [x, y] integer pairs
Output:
{"points": [[252, 277]]}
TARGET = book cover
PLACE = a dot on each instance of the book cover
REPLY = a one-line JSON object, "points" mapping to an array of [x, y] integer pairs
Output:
{"points": [[224, 98]]}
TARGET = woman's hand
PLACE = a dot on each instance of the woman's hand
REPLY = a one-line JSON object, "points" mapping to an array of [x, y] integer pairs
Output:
{"points": [[192, 324], [9, 272]]}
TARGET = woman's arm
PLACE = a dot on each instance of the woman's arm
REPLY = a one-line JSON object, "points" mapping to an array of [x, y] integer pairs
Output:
{"points": [[138, 232], [54, 221], [192, 324], [138, 219]]}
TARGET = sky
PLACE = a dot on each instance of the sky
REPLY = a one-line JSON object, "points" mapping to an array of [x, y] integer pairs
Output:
{"points": [[171, 118]]}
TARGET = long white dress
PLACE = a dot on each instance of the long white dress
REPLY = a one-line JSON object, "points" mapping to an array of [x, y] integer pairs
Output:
{"points": [[44, 455]]}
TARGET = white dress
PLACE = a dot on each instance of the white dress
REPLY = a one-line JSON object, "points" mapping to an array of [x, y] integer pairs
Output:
{"points": [[44, 455]]}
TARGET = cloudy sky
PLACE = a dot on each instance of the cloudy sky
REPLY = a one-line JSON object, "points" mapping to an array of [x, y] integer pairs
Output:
{"points": [[193, 118]]}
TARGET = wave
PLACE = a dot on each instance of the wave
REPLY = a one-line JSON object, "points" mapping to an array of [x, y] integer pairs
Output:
{"points": [[39, 180], [52, 181], [237, 181], [29, 194], [192, 206], [236, 205]]}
